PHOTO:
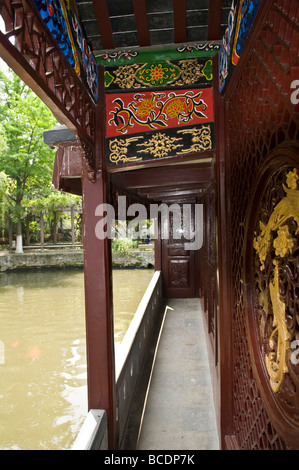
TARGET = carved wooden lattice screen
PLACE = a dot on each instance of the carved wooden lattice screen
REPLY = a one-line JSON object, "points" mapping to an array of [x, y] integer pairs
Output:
{"points": [[31, 51], [260, 117], [208, 286]]}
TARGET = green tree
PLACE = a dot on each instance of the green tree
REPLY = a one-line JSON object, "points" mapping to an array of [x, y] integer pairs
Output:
{"points": [[24, 157], [55, 204], [51, 208], [5, 189]]}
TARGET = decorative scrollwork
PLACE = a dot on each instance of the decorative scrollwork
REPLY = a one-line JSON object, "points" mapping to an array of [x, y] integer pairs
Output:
{"points": [[118, 150], [201, 139]]}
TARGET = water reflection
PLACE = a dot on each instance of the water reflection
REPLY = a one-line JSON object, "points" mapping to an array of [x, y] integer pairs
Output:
{"points": [[43, 399]]}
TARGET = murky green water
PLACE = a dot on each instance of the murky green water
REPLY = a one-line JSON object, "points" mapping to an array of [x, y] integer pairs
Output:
{"points": [[43, 399]]}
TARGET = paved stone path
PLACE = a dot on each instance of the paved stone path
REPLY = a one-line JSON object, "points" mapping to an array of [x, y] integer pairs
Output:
{"points": [[179, 414]]}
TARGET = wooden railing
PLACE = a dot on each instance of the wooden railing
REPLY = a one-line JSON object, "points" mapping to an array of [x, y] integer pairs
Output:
{"points": [[133, 361], [94, 433], [135, 354]]}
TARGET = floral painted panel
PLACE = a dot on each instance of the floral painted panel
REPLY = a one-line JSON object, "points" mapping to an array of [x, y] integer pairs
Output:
{"points": [[161, 73], [131, 113]]}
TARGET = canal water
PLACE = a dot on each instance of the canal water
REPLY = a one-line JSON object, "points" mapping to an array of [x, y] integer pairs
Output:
{"points": [[43, 391]]}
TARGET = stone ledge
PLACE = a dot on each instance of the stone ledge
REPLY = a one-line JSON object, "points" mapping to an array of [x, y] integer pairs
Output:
{"points": [[13, 261], [69, 259]]}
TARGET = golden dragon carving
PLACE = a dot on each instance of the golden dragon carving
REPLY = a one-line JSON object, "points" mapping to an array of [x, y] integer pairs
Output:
{"points": [[283, 244]]}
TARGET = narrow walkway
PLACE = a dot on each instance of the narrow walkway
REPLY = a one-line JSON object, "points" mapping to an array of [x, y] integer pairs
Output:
{"points": [[179, 413]]}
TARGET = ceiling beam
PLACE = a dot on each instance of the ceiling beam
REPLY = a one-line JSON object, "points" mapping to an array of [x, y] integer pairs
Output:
{"points": [[157, 191], [180, 21], [103, 20], [215, 17], [142, 22], [174, 194], [166, 176]]}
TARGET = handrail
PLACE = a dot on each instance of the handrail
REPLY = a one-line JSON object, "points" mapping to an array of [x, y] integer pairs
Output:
{"points": [[132, 359], [94, 434], [122, 351], [134, 355]]}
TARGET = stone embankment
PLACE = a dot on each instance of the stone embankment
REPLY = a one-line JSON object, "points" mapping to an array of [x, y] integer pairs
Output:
{"points": [[70, 259]]}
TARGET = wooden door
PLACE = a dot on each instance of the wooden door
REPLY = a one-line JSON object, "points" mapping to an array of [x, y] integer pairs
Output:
{"points": [[178, 264]]}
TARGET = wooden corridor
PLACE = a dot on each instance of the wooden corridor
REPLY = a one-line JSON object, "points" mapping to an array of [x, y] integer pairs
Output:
{"points": [[179, 410]]}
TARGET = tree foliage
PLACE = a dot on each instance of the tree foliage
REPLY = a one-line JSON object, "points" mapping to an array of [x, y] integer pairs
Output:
{"points": [[24, 157], [26, 163]]}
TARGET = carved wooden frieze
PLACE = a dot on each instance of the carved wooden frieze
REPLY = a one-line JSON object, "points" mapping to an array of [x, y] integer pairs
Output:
{"points": [[43, 39], [140, 112]]}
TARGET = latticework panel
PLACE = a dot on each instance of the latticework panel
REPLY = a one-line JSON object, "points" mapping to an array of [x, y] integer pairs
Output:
{"points": [[31, 50], [261, 116]]}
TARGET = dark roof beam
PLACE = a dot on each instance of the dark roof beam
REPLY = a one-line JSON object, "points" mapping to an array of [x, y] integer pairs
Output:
{"points": [[140, 11], [166, 176], [104, 24], [174, 194], [215, 16], [183, 188], [180, 21]]}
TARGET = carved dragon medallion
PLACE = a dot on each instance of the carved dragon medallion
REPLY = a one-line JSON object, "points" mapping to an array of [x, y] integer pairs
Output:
{"points": [[272, 288]]}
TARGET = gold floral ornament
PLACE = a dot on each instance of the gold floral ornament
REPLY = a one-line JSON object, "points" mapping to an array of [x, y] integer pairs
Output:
{"points": [[283, 244], [146, 106], [262, 244], [175, 108], [162, 73], [157, 73], [292, 179], [160, 145]]}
